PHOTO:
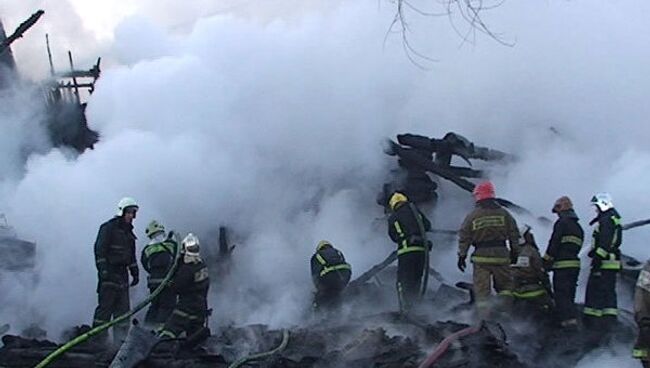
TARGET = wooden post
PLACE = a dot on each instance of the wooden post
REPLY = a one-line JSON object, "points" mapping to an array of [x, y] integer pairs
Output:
{"points": [[49, 53], [74, 79]]}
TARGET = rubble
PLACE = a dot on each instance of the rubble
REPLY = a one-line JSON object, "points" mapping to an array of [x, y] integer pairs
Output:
{"points": [[361, 343], [357, 338], [15, 254]]}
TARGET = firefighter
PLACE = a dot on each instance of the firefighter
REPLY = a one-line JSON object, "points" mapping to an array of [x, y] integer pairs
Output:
{"points": [[601, 309], [531, 284], [491, 229], [190, 283], [157, 258], [330, 274], [642, 316], [562, 258], [115, 258], [407, 226]]}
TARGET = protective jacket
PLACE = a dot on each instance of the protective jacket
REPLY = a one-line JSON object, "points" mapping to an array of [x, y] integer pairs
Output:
{"points": [[156, 259], [530, 279], [488, 227], [404, 228], [191, 283], [607, 239], [329, 268], [115, 253], [566, 242]]}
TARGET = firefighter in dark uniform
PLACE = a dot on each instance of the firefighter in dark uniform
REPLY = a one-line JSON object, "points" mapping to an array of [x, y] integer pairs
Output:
{"points": [[115, 259], [330, 273], [601, 310], [491, 229], [157, 259], [407, 226], [562, 258], [190, 283], [532, 287], [642, 316]]}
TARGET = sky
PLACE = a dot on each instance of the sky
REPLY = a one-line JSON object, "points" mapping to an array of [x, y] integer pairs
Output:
{"points": [[270, 118]]}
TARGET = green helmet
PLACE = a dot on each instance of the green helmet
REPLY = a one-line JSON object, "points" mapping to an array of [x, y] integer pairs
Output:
{"points": [[154, 228]]}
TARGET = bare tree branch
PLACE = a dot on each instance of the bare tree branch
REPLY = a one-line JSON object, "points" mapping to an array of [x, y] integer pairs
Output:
{"points": [[470, 12]]}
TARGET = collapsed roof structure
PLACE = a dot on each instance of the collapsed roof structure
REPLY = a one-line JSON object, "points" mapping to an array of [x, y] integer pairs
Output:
{"points": [[63, 92]]}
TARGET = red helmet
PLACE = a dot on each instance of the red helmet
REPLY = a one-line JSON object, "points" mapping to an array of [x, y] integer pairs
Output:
{"points": [[484, 190]]}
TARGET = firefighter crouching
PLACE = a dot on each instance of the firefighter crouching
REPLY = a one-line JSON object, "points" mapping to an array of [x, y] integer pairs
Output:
{"points": [[190, 284], [330, 274], [531, 284]]}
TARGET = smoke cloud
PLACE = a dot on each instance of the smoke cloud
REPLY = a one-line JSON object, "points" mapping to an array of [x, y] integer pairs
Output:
{"points": [[274, 128]]}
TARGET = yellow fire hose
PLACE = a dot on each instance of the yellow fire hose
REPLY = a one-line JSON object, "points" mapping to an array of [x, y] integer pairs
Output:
{"points": [[101, 328]]}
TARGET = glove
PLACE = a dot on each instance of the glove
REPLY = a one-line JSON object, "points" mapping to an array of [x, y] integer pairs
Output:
{"points": [[547, 264], [429, 244], [462, 264], [134, 275], [136, 279]]}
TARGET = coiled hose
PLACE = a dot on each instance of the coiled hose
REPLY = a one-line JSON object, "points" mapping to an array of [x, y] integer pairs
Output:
{"points": [[101, 328], [279, 348]]}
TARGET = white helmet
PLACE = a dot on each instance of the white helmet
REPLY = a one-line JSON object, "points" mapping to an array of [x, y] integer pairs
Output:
{"points": [[603, 201], [191, 245], [124, 203]]}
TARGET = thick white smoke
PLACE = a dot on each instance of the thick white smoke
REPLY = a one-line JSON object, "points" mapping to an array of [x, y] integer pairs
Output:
{"points": [[275, 128]]}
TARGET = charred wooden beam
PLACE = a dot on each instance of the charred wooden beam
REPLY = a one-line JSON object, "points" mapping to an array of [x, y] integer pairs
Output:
{"points": [[49, 54], [413, 157], [79, 85], [74, 79], [22, 28]]}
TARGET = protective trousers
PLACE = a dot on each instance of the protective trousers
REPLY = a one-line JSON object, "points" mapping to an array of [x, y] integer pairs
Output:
{"points": [[410, 268], [565, 282], [642, 347], [113, 301], [600, 300], [484, 277], [161, 307], [180, 321]]}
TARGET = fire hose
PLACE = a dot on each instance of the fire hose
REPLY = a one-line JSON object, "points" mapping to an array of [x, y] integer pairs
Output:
{"points": [[441, 349], [279, 348], [101, 328]]}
